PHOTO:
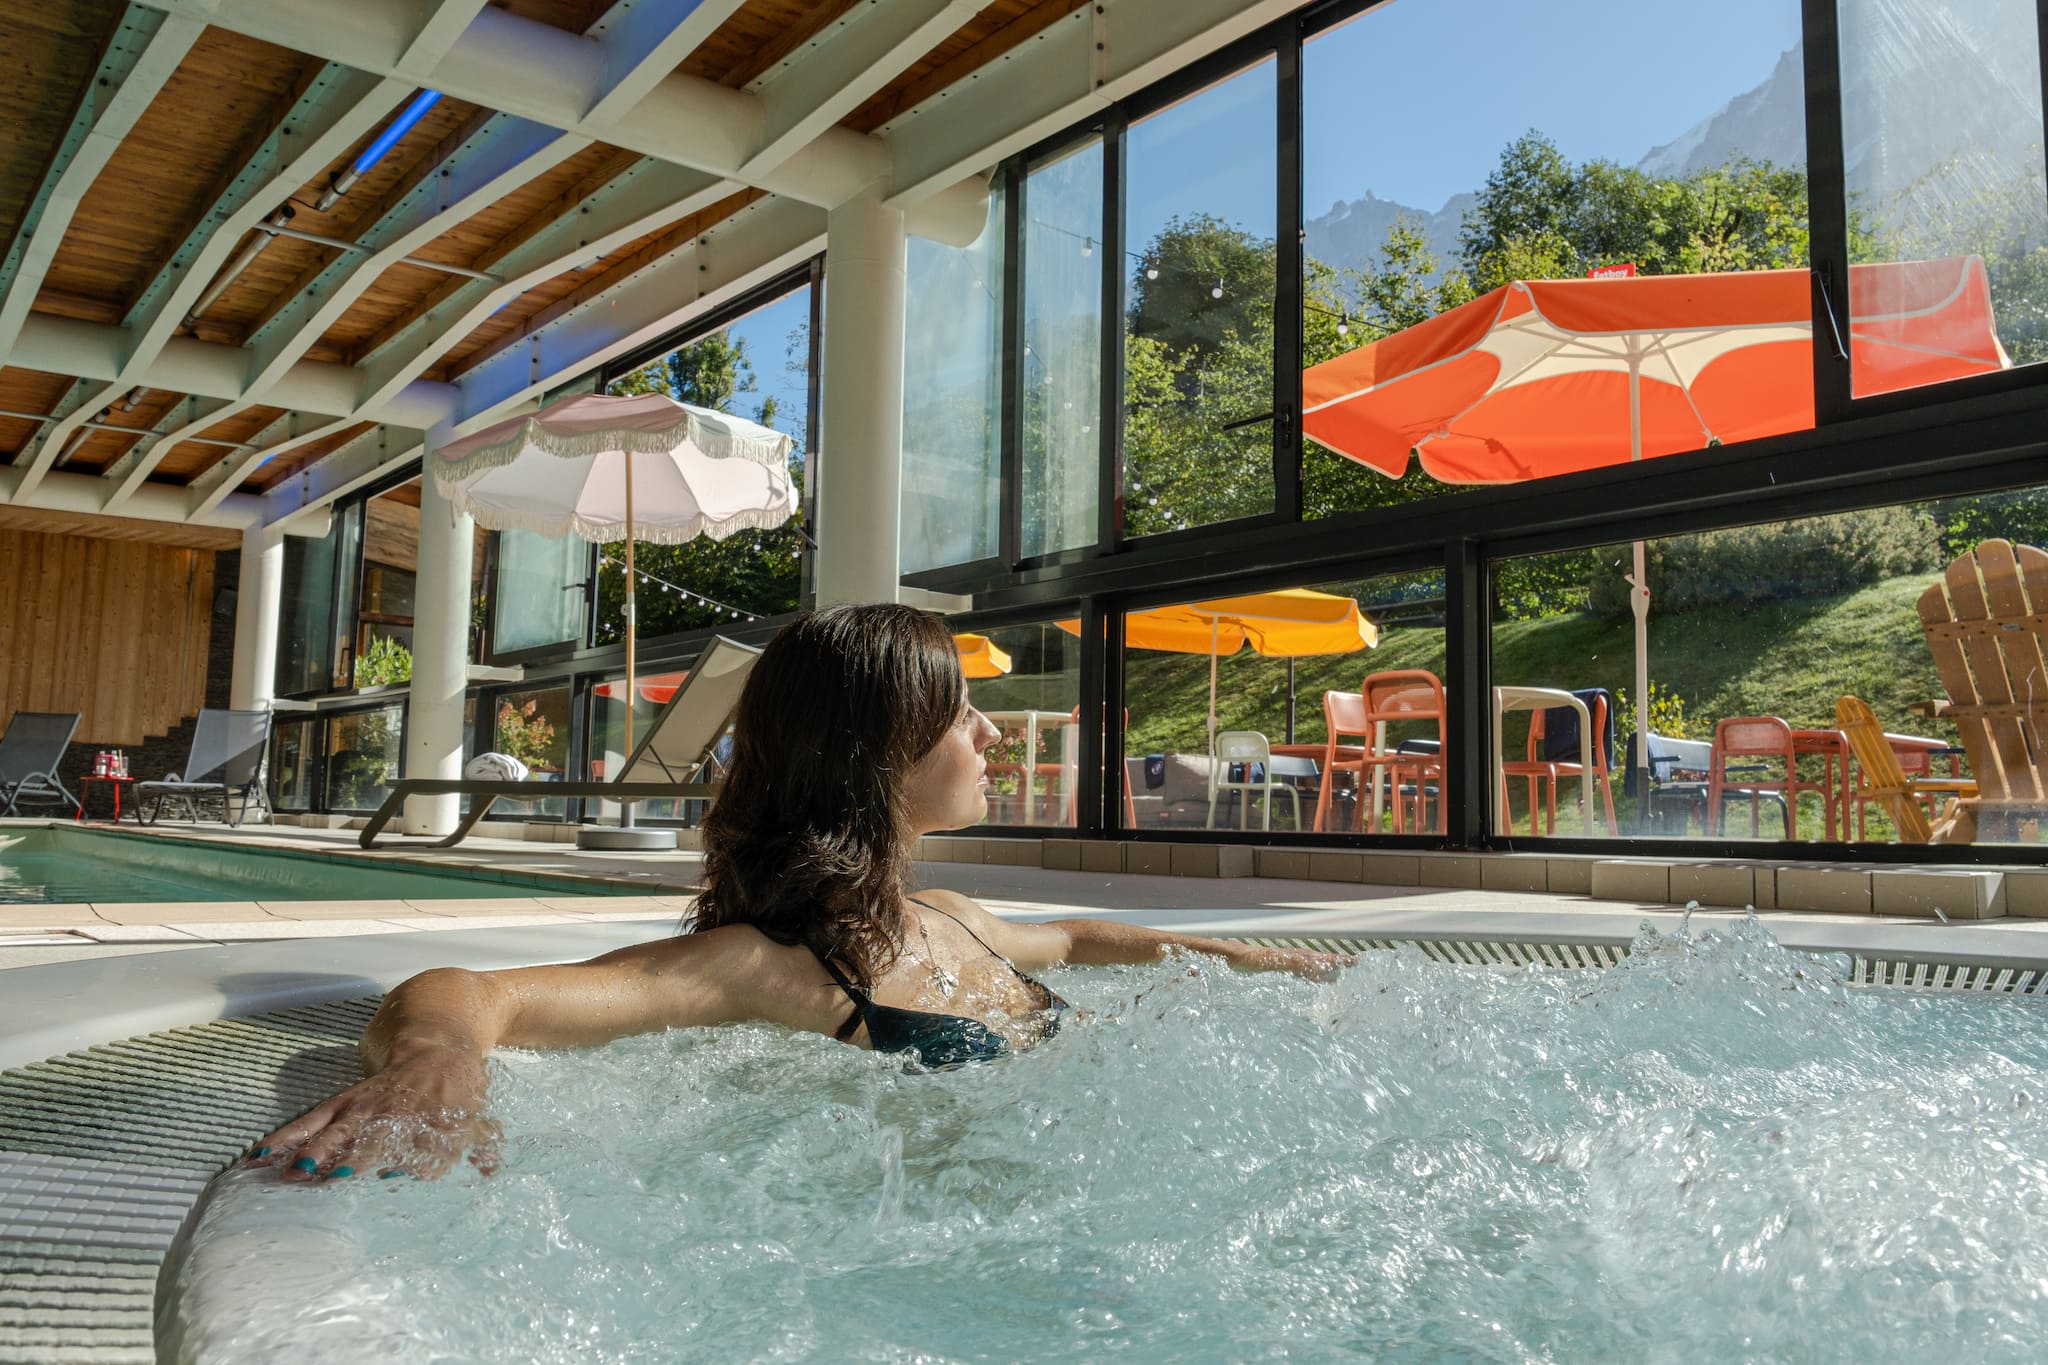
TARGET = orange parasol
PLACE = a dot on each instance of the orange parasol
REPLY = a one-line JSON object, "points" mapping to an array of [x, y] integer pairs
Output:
{"points": [[1543, 377], [979, 657]]}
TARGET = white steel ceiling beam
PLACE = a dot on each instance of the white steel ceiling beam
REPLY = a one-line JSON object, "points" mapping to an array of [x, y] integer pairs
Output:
{"points": [[145, 50], [648, 197], [1100, 53], [436, 33], [756, 244], [63, 491], [522, 66], [94, 351], [500, 159], [644, 42], [336, 109], [806, 99], [761, 240], [279, 438]]}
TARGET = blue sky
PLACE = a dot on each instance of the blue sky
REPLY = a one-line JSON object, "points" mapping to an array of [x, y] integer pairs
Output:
{"points": [[1415, 100], [766, 332]]}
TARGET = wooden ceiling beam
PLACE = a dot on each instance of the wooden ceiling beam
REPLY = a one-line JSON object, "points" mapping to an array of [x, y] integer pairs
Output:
{"points": [[335, 109], [142, 54]]}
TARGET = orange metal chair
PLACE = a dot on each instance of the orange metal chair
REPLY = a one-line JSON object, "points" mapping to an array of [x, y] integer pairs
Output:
{"points": [[1408, 695], [1756, 737], [1538, 769], [1343, 714]]}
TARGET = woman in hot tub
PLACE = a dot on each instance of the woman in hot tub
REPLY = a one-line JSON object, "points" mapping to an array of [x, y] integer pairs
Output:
{"points": [[853, 737]]}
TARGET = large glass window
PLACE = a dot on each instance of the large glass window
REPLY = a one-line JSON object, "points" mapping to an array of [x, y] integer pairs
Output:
{"points": [[952, 399], [1761, 647], [532, 726], [316, 610], [757, 367], [1027, 680], [1317, 709], [388, 598], [1537, 212], [1061, 382], [1941, 122], [538, 598], [292, 759], [363, 753], [1198, 326]]}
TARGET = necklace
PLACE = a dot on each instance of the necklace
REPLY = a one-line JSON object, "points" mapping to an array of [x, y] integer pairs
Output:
{"points": [[941, 980]]}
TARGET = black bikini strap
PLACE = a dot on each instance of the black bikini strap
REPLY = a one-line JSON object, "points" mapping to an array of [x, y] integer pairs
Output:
{"points": [[854, 993], [970, 933]]}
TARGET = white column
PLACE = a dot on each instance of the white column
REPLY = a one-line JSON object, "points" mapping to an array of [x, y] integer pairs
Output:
{"points": [[440, 658], [860, 433], [254, 680]]}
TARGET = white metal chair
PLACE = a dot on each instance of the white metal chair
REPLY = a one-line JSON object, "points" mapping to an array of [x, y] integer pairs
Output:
{"points": [[1247, 748]]}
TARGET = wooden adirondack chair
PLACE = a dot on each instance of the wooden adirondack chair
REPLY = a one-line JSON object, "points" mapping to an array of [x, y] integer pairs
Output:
{"points": [[1881, 778], [1987, 627]]}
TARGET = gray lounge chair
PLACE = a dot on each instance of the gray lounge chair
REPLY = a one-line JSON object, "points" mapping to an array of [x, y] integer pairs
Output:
{"points": [[29, 754], [226, 761], [666, 763]]}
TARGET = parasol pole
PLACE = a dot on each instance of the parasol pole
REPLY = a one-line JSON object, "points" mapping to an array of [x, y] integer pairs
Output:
{"points": [[632, 628], [1212, 688], [1639, 587]]}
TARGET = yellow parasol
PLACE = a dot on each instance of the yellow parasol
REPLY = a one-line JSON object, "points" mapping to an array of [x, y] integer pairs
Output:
{"points": [[1286, 624], [979, 657]]}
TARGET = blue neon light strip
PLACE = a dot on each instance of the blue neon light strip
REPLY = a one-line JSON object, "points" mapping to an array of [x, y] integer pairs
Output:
{"points": [[400, 126]]}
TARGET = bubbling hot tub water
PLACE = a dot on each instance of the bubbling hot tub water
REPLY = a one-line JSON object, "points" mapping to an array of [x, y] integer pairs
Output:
{"points": [[1716, 1150]]}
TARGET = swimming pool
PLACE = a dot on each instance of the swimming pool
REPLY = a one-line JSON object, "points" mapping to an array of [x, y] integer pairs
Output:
{"points": [[58, 864], [1715, 1149]]}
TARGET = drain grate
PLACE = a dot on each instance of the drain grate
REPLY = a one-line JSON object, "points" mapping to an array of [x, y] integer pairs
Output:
{"points": [[103, 1153]]}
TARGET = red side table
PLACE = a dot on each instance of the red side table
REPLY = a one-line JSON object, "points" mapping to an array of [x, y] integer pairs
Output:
{"points": [[85, 790]]}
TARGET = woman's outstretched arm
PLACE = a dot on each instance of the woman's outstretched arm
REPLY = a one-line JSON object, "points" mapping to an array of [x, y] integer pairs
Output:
{"points": [[421, 1106], [1101, 942]]}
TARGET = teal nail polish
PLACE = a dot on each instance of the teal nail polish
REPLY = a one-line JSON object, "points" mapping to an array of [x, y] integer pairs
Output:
{"points": [[392, 1174], [304, 1163], [256, 1152], [341, 1172]]}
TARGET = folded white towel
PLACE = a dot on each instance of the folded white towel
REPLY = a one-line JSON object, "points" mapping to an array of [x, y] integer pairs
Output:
{"points": [[494, 768]]}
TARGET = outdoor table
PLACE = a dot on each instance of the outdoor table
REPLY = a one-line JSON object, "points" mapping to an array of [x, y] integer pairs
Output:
{"points": [[1032, 723], [1507, 699], [85, 790]]}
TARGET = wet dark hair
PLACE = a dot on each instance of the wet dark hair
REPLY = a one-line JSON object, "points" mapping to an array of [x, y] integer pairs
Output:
{"points": [[807, 841]]}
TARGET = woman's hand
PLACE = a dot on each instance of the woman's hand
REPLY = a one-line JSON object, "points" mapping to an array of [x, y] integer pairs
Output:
{"points": [[1303, 962], [417, 1116]]}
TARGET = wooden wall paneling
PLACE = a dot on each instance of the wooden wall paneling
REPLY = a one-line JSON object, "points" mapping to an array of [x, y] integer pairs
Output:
{"points": [[118, 621]]}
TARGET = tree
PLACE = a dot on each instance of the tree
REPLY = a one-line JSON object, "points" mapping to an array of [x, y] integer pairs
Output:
{"points": [[755, 573]]}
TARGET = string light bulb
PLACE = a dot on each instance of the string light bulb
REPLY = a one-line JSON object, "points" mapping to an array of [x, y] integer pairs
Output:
{"points": [[1217, 292], [1151, 272], [1087, 246], [1344, 325]]}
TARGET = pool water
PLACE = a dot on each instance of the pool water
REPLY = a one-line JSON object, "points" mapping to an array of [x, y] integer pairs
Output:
{"points": [[58, 865], [1715, 1151]]}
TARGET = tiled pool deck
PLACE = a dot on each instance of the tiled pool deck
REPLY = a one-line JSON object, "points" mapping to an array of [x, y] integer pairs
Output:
{"points": [[1188, 887]]}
